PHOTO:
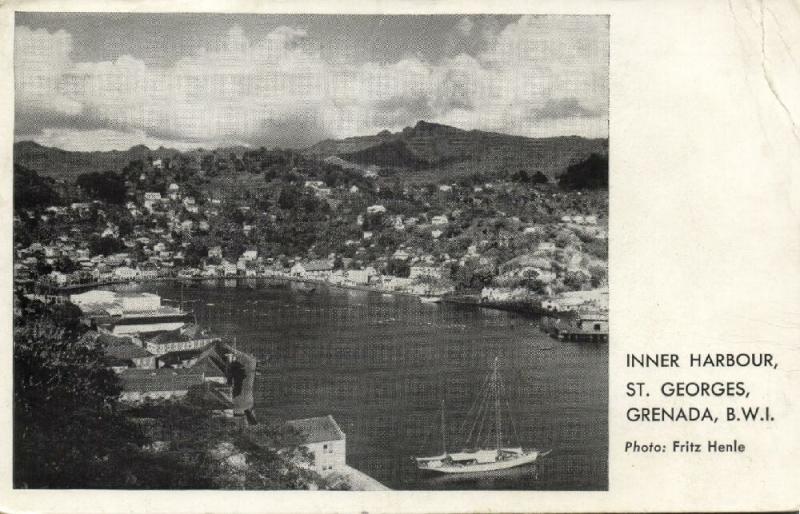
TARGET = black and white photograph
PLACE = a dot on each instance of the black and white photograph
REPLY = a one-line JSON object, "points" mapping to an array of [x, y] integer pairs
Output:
{"points": [[350, 252]]}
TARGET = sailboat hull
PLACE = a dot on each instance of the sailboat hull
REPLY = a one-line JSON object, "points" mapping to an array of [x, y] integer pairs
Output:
{"points": [[454, 467]]}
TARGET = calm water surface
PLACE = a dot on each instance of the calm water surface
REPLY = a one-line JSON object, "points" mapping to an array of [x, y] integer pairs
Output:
{"points": [[381, 365]]}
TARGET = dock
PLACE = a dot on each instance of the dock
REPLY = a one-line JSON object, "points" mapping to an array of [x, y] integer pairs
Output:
{"points": [[360, 481]]}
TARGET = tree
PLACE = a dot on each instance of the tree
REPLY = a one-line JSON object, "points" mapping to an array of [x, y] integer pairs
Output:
{"points": [[105, 245], [71, 432], [289, 197], [539, 178], [31, 190], [66, 431], [591, 173], [107, 186]]}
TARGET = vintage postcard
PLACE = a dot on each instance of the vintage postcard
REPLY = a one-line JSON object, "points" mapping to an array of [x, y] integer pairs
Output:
{"points": [[402, 258]]}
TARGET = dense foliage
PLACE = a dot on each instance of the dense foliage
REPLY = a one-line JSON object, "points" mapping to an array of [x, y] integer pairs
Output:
{"points": [[32, 190], [107, 186], [70, 431], [591, 173]]}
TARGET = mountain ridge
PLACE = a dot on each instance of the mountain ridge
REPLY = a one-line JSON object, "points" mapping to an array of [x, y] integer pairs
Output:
{"points": [[425, 147], [429, 145]]}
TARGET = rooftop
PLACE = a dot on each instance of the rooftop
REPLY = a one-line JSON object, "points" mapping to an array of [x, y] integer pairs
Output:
{"points": [[317, 430], [162, 379], [318, 265]]}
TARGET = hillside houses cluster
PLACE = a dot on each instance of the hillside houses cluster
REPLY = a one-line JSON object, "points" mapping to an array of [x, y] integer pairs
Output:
{"points": [[157, 241]]}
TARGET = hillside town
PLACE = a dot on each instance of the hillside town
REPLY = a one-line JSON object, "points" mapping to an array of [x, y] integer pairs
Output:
{"points": [[501, 240]]}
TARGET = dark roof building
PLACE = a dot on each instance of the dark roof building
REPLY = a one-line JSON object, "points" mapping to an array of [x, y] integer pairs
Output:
{"points": [[158, 380]]}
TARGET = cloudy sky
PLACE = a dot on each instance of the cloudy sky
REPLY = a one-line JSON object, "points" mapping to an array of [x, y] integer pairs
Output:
{"points": [[110, 81]]}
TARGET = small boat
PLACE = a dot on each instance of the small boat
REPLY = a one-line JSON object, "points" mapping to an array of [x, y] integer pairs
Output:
{"points": [[430, 299], [303, 287], [478, 456]]}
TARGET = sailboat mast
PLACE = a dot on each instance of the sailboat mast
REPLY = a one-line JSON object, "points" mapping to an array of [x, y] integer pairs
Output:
{"points": [[444, 440], [497, 405]]}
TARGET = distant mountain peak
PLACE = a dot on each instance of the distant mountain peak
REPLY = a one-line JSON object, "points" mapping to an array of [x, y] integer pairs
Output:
{"points": [[422, 124]]}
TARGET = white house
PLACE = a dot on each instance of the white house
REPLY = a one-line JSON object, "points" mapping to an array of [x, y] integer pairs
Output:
{"points": [[401, 255], [361, 276], [319, 268], [376, 209], [228, 268], [325, 441], [125, 273], [58, 278], [250, 255], [439, 220]]}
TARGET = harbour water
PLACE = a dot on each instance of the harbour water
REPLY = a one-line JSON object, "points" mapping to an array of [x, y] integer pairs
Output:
{"points": [[382, 365]]}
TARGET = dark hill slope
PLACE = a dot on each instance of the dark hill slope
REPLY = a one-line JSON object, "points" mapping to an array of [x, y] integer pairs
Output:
{"points": [[432, 145], [62, 164]]}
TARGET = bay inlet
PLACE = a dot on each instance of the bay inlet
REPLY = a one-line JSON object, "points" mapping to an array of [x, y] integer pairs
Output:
{"points": [[382, 365]]}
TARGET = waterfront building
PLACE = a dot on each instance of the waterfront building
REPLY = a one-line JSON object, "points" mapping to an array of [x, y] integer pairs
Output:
{"points": [[128, 312], [139, 302], [93, 300], [122, 352], [319, 268], [125, 273], [361, 276], [157, 384], [325, 441], [229, 269], [177, 340]]}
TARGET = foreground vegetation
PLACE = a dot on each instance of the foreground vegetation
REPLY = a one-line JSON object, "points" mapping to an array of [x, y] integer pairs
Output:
{"points": [[71, 431]]}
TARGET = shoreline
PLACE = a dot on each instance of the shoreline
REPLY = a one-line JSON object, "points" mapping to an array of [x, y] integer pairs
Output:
{"points": [[523, 308]]}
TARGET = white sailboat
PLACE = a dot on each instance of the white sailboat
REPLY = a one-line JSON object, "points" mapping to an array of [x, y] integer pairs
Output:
{"points": [[484, 449]]}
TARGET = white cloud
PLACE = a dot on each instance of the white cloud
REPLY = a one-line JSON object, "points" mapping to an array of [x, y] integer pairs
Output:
{"points": [[278, 90], [465, 26]]}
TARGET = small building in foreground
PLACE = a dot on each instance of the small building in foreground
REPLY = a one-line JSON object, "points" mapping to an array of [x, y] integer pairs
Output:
{"points": [[325, 441], [157, 384]]}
